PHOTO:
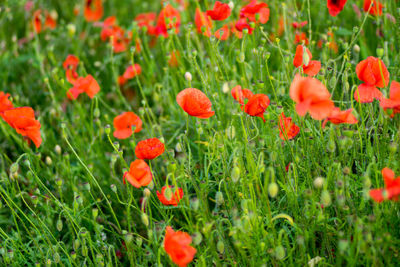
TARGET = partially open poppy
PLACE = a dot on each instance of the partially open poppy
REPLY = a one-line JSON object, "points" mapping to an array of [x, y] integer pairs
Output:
{"points": [[5, 103], [335, 6], [86, 85], [287, 129], [169, 196], [93, 10], [177, 246], [220, 11], [24, 122], [123, 125], [255, 12], [70, 64], [257, 105], [169, 18], [338, 117], [376, 9], [310, 67], [240, 94], [373, 72], [130, 73], [311, 96], [139, 174], [203, 23], [393, 102], [195, 103], [149, 148], [391, 191]]}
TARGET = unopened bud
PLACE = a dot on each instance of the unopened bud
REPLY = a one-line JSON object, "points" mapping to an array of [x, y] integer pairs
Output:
{"points": [[273, 189], [188, 76]]}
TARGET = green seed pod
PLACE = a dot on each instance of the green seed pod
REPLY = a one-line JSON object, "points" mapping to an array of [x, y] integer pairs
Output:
{"points": [[59, 225], [195, 203], [139, 241], [84, 251], [145, 219], [219, 198], [273, 189], [380, 52], [280, 252], [14, 167], [107, 129], [113, 188], [326, 198], [56, 258], [220, 247], [197, 238], [235, 174], [96, 113], [95, 213], [77, 244]]}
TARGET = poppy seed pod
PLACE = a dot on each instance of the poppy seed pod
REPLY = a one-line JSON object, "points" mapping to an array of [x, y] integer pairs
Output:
{"points": [[273, 189]]}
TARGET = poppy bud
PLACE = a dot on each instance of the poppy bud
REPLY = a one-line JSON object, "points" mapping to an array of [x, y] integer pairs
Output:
{"points": [[235, 174], [188, 76], [49, 161], [356, 48], [59, 225], [331, 146], [14, 167], [319, 182], [367, 182], [71, 29], [84, 251], [145, 219], [393, 148], [48, 263], [379, 52], [128, 238], [280, 252], [220, 247], [96, 113], [57, 149], [225, 88], [113, 188], [194, 203], [34, 200], [76, 244], [273, 189], [178, 147], [197, 238], [326, 198], [219, 198], [241, 57], [139, 241], [146, 192], [86, 186], [95, 213], [56, 257]]}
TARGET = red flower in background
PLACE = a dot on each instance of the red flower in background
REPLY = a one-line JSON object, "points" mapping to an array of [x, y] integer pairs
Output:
{"points": [[170, 198], [107, 28], [338, 116], [130, 73], [147, 20], [5, 103], [169, 18], [93, 10], [177, 245], [240, 94], [367, 93], [174, 58], [287, 129], [222, 33], [70, 65], [391, 191], [393, 102], [298, 25], [242, 24], [203, 23], [376, 8], [335, 6], [310, 67], [123, 125], [195, 103], [257, 105], [219, 12], [149, 148], [24, 122], [139, 174], [39, 25], [86, 85], [254, 10], [311, 96], [301, 38]]}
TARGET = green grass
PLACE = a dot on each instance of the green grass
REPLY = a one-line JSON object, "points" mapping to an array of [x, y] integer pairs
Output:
{"points": [[65, 204]]}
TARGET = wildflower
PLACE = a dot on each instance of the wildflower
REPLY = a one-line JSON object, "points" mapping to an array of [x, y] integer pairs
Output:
{"points": [[49, 21], [311, 96], [391, 191], [287, 129], [335, 6], [86, 85], [93, 10], [170, 198], [5, 103], [70, 64], [24, 122], [376, 9], [393, 102], [219, 12], [257, 105], [147, 20], [177, 245], [338, 117], [301, 38], [123, 125], [222, 33], [108, 28], [203, 23], [169, 18], [139, 174], [310, 67], [130, 73], [252, 9], [149, 148], [242, 24], [366, 93], [298, 25], [240, 94], [174, 59], [195, 103]]}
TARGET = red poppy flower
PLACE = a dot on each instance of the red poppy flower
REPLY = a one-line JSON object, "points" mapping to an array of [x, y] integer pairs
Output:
{"points": [[123, 125], [93, 10], [38, 25], [240, 94], [373, 72], [177, 245], [174, 59], [257, 105], [311, 96], [139, 174], [107, 27], [70, 64], [338, 117], [170, 198], [222, 33], [391, 191], [376, 9], [242, 24], [130, 73], [149, 148], [24, 122], [5, 103], [252, 9], [287, 129], [146, 20], [335, 6], [301, 38], [367, 93], [203, 23], [393, 102], [298, 25], [169, 18], [219, 12], [310, 67], [86, 85], [195, 103]]}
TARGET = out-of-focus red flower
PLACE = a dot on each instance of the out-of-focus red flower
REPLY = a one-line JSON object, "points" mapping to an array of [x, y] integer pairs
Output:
{"points": [[257, 105], [5, 103], [310, 67], [242, 24], [24, 122], [240, 94], [149, 148], [174, 58], [393, 102], [86, 85], [222, 33], [339, 117], [93, 10], [373, 72], [301, 38], [255, 12], [310, 95], [70, 64], [168, 197], [130, 73], [298, 25], [195, 103], [123, 125], [177, 245], [203, 23], [287, 129], [366, 93], [220, 11], [169, 18], [281, 26], [335, 6], [391, 191], [376, 9], [147, 20], [107, 27], [41, 23], [139, 174]]}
